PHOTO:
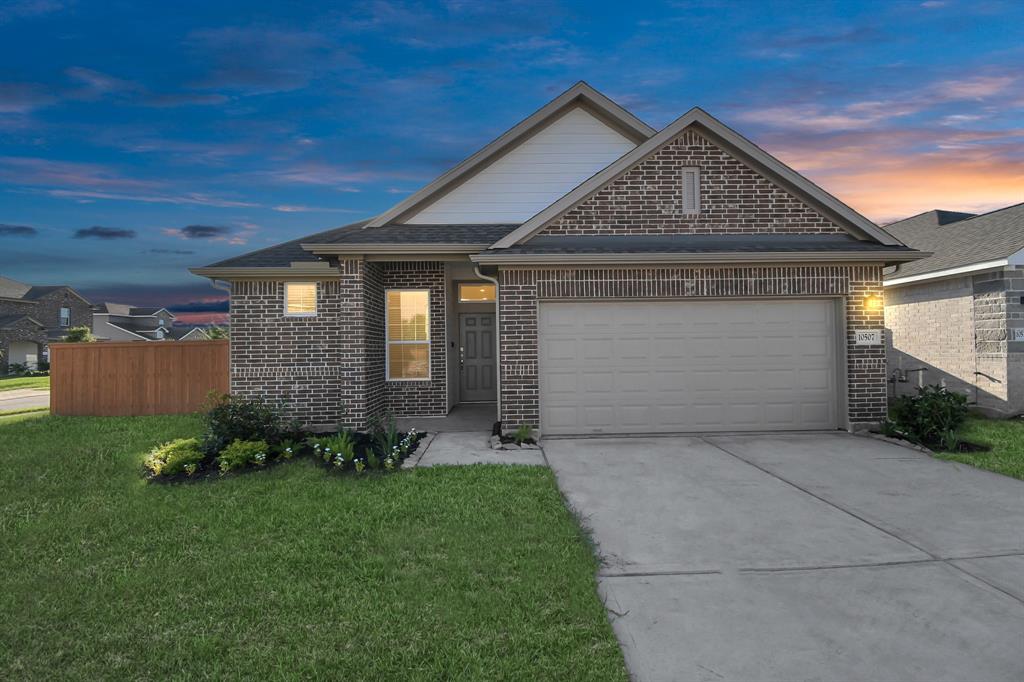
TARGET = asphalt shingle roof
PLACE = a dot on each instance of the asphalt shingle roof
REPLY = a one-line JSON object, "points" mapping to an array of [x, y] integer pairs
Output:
{"points": [[283, 255], [699, 243], [958, 242]]}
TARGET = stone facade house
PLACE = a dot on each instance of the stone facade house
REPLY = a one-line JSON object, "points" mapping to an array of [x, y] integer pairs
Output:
{"points": [[33, 316], [585, 274], [956, 318]]}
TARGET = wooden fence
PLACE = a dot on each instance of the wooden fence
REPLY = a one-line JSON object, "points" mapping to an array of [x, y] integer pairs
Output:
{"points": [[137, 377]]}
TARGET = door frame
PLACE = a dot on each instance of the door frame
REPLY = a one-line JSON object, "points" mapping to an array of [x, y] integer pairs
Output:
{"points": [[842, 416]]}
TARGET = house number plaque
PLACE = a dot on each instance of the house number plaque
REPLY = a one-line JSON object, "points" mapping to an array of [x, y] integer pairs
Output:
{"points": [[868, 337]]}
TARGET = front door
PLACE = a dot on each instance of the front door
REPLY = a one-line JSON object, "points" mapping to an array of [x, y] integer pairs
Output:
{"points": [[478, 366]]}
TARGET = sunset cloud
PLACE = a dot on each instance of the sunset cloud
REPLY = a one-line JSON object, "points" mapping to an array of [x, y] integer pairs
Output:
{"points": [[98, 232]]}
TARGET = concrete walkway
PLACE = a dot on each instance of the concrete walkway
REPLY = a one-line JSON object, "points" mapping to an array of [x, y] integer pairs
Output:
{"points": [[22, 398], [800, 557], [455, 447]]}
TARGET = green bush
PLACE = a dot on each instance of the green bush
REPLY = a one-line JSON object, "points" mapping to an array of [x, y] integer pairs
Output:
{"points": [[79, 335], [230, 418], [930, 418], [243, 453], [338, 450], [181, 455]]}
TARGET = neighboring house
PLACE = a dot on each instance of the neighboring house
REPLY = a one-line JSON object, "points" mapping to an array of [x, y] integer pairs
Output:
{"points": [[121, 322], [33, 316], [590, 275], [957, 317]]}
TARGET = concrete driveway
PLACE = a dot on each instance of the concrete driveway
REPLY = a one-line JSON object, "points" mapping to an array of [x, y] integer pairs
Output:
{"points": [[23, 398], [801, 557]]}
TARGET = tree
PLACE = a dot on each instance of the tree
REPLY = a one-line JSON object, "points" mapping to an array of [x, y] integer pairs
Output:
{"points": [[217, 332], [79, 335]]}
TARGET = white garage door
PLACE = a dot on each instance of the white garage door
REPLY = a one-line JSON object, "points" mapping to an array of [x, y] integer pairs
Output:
{"points": [[673, 366]]}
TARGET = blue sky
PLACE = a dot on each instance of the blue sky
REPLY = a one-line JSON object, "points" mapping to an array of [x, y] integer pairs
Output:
{"points": [[140, 138]]}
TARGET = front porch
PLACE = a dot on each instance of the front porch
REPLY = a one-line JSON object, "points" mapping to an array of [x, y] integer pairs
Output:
{"points": [[476, 417]]}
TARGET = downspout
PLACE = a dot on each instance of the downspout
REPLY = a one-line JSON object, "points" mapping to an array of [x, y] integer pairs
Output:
{"points": [[497, 327]]}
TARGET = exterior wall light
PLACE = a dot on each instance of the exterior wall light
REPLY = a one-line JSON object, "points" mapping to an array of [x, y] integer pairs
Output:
{"points": [[872, 302]]}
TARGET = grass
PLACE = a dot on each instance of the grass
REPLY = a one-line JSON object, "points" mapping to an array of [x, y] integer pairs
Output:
{"points": [[11, 383], [1006, 437], [447, 573]]}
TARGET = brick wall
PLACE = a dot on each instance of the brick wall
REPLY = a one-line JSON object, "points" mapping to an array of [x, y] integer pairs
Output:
{"points": [[329, 369], [958, 332], [47, 310], [647, 199], [23, 330], [522, 287], [421, 398]]}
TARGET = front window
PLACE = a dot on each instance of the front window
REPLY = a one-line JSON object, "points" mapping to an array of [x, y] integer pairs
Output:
{"points": [[476, 293], [65, 317], [408, 335], [300, 299]]}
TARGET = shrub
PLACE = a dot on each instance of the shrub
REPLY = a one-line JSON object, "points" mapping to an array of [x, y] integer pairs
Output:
{"points": [[384, 433], [288, 448], [338, 450], [931, 417], [522, 434], [230, 418], [181, 455], [79, 335], [242, 453]]}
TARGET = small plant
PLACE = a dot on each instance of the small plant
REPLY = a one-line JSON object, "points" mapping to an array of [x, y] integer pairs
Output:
{"points": [[181, 455], [384, 433], [287, 448], [338, 450], [242, 453], [522, 434], [931, 418]]}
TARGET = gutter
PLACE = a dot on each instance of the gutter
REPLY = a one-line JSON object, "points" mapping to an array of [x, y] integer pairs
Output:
{"points": [[497, 329], [710, 257], [949, 272]]}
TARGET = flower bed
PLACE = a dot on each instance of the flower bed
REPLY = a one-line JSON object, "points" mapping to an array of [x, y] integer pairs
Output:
{"points": [[247, 435]]}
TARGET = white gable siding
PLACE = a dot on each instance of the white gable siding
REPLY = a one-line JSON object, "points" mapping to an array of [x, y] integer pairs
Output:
{"points": [[531, 176]]}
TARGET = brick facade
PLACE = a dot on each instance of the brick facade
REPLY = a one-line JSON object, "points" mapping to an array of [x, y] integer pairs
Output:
{"points": [[522, 288], [22, 330], [647, 199], [46, 311], [967, 344], [329, 369]]}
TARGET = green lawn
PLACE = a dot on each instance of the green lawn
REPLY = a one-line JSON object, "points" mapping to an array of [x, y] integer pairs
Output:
{"points": [[11, 383], [1006, 438], [447, 573]]}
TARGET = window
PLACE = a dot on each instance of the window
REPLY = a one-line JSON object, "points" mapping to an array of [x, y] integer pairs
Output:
{"points": [[407, 320], [476, 293], [691, 190], [159, 333], [160, 321], [65, 317], [300, 299]]}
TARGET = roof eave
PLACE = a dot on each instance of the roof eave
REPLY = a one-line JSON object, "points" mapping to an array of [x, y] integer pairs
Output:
{"points": [[360, 249], [731, 139], [723, 257]]}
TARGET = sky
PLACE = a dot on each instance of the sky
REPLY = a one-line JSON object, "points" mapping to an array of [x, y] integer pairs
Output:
{"points": [[138, 139]]}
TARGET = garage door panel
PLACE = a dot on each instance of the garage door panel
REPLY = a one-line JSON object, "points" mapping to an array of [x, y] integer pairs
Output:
{"points": [[676, 366]]}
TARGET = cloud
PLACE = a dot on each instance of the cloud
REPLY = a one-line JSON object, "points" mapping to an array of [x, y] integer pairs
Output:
{"points": [[22, 98], [98, 232], [185, 199], [28, 9], [18, 231], [205, 231], [261, 60], [171, 252], [208, 305], [94, 84], [20, 170], [183, 99], [298, 208]]}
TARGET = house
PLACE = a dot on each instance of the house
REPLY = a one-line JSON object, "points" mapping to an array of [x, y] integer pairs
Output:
{"points": [[588, 274], [957, 317], [33, 316], [121, 322]]}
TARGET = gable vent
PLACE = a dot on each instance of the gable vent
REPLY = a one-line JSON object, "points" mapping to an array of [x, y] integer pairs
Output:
{"points": [[691, 190]]}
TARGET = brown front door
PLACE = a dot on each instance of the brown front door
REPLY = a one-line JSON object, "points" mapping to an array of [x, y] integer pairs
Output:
{"points": [[478, 366]]}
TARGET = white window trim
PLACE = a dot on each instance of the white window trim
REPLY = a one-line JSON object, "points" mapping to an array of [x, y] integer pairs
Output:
{"points": [[316, 295], [387, 344], [65, 322], [696, 190]]}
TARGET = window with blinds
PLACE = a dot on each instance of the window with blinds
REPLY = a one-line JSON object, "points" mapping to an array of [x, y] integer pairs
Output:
{"points": [[407, 321], [300, 299]]}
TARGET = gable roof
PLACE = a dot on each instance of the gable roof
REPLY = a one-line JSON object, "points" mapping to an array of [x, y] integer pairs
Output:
{"points": [[982, 240], [12, 288], [579, 94], [732, 142], [8, 321]]}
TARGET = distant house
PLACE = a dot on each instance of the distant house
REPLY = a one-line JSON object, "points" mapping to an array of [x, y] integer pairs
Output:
{"points": [[957, 317], [32, 316], [122, 322]]}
